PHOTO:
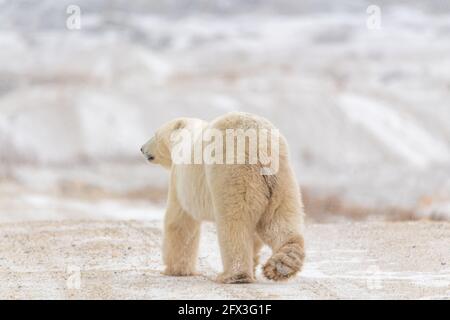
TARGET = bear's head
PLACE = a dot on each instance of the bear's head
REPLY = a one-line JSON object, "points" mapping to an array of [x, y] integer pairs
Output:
{"points": [[158, 149]]}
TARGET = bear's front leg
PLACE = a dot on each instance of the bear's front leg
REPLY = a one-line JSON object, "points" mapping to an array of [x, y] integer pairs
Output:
{"points": [[181, 241], [236, 248]]}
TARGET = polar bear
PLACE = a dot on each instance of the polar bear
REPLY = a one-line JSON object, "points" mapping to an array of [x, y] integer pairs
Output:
{"points": [[249, 208]]}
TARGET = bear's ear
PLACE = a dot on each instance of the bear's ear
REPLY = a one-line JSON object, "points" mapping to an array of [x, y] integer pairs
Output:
{"points": [[178, 125]]}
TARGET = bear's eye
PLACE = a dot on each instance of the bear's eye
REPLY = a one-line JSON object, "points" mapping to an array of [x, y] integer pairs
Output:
{"points": [[178, 125]]}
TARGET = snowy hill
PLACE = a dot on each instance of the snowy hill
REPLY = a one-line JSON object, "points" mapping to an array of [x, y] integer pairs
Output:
{"points": [[366, 112]]}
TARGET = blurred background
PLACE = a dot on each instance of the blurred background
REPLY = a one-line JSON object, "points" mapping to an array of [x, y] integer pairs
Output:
{"points": [[361, 90]]}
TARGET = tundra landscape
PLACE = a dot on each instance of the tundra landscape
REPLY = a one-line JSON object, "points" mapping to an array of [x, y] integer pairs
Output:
{"points": [[363, 103]]}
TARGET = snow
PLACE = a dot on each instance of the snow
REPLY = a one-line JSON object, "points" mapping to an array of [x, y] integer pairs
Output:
{"points": [[365, 112], [122, 259], [35, 207], [399, 132]]}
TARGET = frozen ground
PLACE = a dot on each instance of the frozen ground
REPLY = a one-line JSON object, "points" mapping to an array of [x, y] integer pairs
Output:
{"points": [[112, 260]]}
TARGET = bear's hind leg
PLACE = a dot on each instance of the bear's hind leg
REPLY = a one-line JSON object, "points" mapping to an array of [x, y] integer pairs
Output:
{"points": [[236, 248], [238, 197], [281, 232]]}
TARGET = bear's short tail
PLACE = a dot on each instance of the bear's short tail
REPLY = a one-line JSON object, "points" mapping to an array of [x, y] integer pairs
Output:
{"points": [[286, 261]]}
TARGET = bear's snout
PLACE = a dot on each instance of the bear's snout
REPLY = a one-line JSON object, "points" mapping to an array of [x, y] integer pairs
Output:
{"points": [[148, 156]]}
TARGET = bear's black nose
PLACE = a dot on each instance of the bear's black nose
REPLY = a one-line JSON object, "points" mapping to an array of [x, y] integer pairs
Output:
{"points": [[150, 158]]}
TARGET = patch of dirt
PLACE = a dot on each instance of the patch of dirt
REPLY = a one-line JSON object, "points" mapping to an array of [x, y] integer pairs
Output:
{"points": [[332, 208]]}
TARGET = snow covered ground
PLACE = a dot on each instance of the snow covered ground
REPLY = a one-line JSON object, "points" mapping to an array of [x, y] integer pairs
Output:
{"points": [[366, 112], [122, 260]]}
